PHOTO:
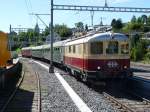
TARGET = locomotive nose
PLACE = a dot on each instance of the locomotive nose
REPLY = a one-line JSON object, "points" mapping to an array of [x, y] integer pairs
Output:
{"points": [[98, 67]]}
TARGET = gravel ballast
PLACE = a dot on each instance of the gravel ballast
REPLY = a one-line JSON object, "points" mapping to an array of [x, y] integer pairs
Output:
{"points": [[54, 97], [95, 100]]}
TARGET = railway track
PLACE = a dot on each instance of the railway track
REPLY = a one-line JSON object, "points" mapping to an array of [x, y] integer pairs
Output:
{"points": [[26, 97], [127, 105]]}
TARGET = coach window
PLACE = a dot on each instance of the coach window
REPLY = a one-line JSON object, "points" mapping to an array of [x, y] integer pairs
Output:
{"points": [[66, 49], [60, 50], [97, 48], [125, 48], [112, 47], [84, 48], [69, 49], [79, 49], [74, 48]]}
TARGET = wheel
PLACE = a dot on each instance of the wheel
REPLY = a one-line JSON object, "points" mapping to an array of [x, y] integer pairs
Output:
{"points": [[84, 77], [72, 72]]}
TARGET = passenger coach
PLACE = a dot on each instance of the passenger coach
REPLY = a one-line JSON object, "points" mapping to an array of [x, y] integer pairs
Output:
{"points": [[98, 56]]}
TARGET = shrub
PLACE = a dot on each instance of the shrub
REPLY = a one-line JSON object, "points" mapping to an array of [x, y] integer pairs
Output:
{"points": [[137, 52], [147, 57]]}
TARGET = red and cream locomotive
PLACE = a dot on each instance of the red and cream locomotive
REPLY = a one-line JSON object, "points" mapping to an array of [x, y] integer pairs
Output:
{"points": [[99, 56]]}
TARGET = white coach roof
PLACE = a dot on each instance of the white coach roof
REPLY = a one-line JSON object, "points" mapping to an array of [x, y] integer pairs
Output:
{"points": [[61, 43], [26, 48], [99, 37], [47, 46], [37, 47]]}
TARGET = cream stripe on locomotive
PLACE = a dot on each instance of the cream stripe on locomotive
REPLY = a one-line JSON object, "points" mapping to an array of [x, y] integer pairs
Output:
{"points": [[83, 51], [99, 57]]}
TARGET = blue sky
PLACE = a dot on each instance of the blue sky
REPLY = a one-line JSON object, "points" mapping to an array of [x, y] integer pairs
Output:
{"points": [[16, 12]]}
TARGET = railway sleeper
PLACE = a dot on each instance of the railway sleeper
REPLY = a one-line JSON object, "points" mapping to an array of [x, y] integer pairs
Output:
{"points": [[125, 107], [142, 106]]}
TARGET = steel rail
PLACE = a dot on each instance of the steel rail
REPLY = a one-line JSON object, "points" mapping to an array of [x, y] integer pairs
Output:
{"points": [[39, 92], [114, 100], [138, 96]]}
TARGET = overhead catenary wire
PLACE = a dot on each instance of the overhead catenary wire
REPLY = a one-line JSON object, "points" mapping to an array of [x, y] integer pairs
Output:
{"points": [[29, 9], [30, 5]]}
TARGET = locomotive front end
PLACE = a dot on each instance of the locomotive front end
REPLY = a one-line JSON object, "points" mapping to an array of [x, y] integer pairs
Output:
{"points": [[109, 56]]}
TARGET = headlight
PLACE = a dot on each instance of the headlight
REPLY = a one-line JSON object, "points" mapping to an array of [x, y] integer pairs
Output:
{"points": [[125, 67], [98, 67]]}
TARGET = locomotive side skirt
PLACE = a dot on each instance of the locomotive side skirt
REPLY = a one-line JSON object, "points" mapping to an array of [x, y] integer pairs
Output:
{"points": [[105, 68]]}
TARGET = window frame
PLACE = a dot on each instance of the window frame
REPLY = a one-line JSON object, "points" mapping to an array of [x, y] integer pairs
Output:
{"points": [[112, 51], [99, 49], [127, 48]]}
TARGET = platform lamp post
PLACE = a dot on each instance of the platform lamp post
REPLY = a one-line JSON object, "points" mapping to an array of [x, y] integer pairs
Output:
{"points": [[51, 67]]}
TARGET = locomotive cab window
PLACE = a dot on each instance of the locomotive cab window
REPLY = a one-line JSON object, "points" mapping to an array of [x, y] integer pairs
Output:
{"points": [[125, 48], [112, 47], [96, 48]]}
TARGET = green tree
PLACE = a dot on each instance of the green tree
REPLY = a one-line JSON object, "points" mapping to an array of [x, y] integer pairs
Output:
{"points": [[117, 25], [137, 52], [133, 20], [113, 23], [86, 27], [136, 26], [148, 20], [144, 19], [37, 30], [79, 26], [30, 36], [46, 32], [22, 36], [63, 31], [139, 20]]}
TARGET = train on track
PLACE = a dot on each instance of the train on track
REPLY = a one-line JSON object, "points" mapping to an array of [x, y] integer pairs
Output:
{"points": [[92, 56]]}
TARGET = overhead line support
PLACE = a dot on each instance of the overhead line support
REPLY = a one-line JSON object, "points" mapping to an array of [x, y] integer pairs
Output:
{"points": [[51, 67], [37, 15], [101, 8]]}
